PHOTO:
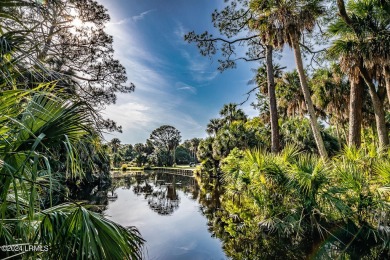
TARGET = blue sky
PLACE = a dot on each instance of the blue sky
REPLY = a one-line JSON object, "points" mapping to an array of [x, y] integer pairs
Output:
{"points": [[175, 85]]}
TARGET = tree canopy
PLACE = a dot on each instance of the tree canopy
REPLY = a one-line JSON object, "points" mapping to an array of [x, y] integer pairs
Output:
{"points": [[67, 40]]}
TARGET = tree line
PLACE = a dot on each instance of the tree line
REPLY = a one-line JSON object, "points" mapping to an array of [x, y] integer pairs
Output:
{"points": [[163, 148]]}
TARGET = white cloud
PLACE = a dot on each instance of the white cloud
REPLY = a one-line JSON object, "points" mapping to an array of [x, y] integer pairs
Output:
{"points": [[123, 21], [129, 115], [134, 18], [139, 117], [141, 15], [180, 31], [186, 87], [204, 76], [159, 98], [201, 69]]}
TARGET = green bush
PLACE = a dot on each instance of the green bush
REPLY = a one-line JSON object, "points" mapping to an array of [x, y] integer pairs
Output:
{"points": [[288, 192], [147, 166], [124, 167]]}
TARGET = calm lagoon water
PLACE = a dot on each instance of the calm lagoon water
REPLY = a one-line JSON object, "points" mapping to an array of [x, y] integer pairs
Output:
{"points": [[181, 222], [166, 210]]}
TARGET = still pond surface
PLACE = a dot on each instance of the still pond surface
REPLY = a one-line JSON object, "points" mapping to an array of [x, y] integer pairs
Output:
{"points": [[167, 211], [179, 220]]}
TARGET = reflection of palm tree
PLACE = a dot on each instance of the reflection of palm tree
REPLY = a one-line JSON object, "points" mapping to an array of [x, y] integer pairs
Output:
{"points": [[164, 200]]}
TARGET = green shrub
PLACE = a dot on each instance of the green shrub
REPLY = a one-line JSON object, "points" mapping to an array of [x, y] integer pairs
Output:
{"points": [[124, 167], [147, 166]]}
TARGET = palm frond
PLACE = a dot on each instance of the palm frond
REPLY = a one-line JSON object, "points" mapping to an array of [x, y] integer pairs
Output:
{"points": [[89, 235]]}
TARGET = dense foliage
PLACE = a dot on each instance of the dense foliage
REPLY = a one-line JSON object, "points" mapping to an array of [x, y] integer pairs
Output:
{"points": [[312, 168], [66, 41], [43, 139], [50, 134]]}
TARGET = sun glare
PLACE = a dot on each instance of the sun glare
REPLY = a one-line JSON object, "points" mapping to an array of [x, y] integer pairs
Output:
{"points": [[77, 22]]}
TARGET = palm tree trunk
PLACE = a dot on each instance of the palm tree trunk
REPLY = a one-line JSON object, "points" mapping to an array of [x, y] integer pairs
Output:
{"points": [[272, 101], [338, 133], [386, 73], [378, 109], [306, 93], [376, 100], [355, 112]]}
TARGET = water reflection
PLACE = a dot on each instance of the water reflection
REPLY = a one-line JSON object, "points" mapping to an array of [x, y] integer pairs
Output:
{"points": [[204, 223], [160, 190], [93, 195], [166, 210], [232, 221], [164, 199]]}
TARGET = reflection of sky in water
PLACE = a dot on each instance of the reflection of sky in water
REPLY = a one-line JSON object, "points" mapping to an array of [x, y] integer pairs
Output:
{"points": [[181, 235]]}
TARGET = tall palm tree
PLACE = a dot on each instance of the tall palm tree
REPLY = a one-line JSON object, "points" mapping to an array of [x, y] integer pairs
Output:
{"points": [[361, 32], [275, 137], [271, 36], [291, 18], [265, 75], [230, 113], [355, 110]]}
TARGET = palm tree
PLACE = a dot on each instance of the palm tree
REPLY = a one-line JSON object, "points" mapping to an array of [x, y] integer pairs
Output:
{"points": [[271, 37], [362, 45], [290, 96], [275, 138], [265, 75], [291, 18], [230, 113], [355, 111], [194, 147], [115, 144], [213, 126], [331, 96]]}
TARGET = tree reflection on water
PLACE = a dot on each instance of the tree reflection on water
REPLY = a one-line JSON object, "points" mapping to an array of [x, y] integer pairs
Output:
{"points": [[241, 240], [164, 200], [232, 221], [160, 190]]}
